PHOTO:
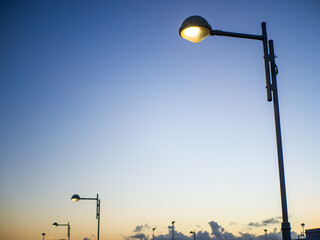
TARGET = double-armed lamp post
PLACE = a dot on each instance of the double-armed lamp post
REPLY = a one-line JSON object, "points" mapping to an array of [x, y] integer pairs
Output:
{"points": [[195, 29], [76, 198], [64, 225]]}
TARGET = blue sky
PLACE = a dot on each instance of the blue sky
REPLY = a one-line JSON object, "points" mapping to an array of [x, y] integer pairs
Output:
{"points": [[105, 97]]}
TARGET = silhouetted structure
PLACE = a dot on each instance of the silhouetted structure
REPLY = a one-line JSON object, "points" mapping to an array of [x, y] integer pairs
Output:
{"points": [[313, 234], [153, 233], [173, 229]]}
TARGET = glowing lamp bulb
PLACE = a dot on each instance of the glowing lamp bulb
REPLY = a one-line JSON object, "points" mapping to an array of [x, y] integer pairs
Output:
{"points": [[75, 198]]}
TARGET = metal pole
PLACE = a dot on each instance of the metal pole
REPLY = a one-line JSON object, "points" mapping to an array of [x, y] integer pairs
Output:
{"points": [[194, 235], [302, 225], [98, 216], [285, 227], [68, 231], [265, 234], [266, 60], [173, 230]]}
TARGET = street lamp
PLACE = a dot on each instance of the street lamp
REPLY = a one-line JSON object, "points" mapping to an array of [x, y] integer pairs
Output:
{"points": [[195, 29], [43, 234], [153, 233], [65, 225], [194, 234], [173, 229], [302, 234], [76, 198], [265, 234]]}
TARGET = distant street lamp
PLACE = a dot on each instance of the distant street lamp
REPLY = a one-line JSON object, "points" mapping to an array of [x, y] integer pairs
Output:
{"points": [[265, 234], [76, 198], [173, 229], [65, 225], [194, 234], [302, 234], [195, 29], [43, 234], [153, 233]]}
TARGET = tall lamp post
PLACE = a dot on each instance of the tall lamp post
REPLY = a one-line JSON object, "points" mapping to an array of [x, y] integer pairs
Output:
{"points": [[194, 234], [76, 198], [195, 29], [43, 234], [173, 229], [265, 234], [65, 225], [153, 233]]}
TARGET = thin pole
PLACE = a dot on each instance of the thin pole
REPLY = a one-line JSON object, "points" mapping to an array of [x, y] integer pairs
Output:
{"points": [[68, 231], [194, 235], [173, 230], [285, 227], [98, 216], [302, 224], [266, 60]]}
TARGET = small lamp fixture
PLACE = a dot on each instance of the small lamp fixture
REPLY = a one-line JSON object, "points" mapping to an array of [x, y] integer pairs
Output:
{"points": [[75, 198], [195, 29], [55, 224]]}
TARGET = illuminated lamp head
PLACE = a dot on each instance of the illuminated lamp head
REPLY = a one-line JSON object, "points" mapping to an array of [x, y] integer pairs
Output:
{"points": [[195, 29]]}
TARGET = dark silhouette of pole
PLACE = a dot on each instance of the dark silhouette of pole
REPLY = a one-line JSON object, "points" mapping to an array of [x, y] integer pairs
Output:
{"points": [[173, 229], [194, 234], [265, 234], [153, 233], [68, 231], [285, 227], [43, 234], [98, 216], [272, 91], [302, 225]]}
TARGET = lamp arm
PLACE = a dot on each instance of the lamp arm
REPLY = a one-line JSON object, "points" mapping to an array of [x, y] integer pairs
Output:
{"points": [[64, 224], [88, 198], [237, 35], [266, 56]]}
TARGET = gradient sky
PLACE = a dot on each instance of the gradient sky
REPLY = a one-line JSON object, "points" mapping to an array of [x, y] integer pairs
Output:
{"points": [[105, 97]]}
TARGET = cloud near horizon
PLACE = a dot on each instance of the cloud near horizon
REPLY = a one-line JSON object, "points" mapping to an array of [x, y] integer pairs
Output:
{"points": [[217, 233], [265, 223], [140, 228]]}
